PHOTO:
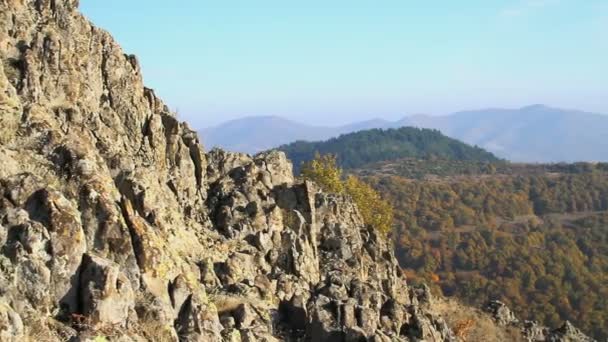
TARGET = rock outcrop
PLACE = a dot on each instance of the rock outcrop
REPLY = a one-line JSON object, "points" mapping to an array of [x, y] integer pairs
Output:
{"points": [[501, 313], [115, 223], [532, 331]]}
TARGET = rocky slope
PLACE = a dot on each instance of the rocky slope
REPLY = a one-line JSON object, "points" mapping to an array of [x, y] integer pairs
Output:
{"points": [[115, 223]]}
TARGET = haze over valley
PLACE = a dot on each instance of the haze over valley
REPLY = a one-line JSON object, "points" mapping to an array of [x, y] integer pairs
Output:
{"points": [[121, 221], [535, 133]]}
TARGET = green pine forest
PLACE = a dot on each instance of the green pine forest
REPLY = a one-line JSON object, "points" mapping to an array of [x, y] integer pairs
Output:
{"points": [[360, 148]]}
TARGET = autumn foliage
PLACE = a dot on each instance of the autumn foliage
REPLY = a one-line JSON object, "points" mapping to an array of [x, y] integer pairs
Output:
{"points": [[375, 211], [324, 171], [535, 240]]}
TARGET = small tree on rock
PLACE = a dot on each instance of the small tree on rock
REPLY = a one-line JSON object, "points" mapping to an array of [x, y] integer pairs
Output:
{"points": [[324, 171], [375, 211]]}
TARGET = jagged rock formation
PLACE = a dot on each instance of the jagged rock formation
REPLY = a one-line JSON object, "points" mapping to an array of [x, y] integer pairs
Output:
{"points": [[114, 221], [532, 331]]}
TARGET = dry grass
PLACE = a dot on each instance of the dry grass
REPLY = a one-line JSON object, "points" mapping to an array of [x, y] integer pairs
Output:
{"points": [[226, 303], [472, 325], [48, 330], [45, 329], [462, 328], [149, 325], [154, 330]]}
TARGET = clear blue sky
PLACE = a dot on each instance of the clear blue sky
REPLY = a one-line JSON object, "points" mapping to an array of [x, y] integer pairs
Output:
{"points": [[337, 61]]}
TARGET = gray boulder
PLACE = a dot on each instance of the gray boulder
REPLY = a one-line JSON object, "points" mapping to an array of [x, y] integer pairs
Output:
{"points": [[105, 292]]}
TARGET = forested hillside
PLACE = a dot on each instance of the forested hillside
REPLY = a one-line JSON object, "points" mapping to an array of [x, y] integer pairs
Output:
{"points": [[429, 168], [534, 236], [364, 147]]}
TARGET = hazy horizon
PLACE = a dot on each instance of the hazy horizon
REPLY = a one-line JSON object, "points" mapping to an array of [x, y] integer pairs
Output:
{"points": [[350, 61], [398, 118]]}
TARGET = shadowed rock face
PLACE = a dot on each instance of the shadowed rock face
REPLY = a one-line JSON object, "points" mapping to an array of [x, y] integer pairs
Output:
{"points": [[115, 222]]}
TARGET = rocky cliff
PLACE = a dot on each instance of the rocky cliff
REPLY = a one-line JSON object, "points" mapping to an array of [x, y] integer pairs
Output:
{"points": [[116, 224]]}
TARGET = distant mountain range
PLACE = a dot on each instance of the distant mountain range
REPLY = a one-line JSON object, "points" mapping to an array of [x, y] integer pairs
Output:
{"points": [[259, 133], [534, 133]]}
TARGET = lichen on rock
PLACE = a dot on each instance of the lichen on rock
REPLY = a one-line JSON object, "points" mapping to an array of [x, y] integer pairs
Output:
{"points": [[114, 221]]}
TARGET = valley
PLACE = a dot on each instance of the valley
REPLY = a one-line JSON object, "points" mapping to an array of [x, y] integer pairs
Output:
{"points": [[118, 224], [478, 228], [535, 240]]}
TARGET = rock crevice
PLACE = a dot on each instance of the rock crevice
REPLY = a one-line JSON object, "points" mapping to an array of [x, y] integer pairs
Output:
{"points": [[115, 222]]}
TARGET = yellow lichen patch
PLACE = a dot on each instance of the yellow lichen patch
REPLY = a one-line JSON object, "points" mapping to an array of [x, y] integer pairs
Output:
{"points": [[149, 247], [10, 109]]}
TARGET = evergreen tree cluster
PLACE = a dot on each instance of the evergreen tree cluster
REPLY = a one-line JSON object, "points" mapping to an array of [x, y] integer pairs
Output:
{"points": [[360, 148]]}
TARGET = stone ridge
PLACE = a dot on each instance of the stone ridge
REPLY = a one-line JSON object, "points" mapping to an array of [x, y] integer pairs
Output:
{"points": [[115, 223]]}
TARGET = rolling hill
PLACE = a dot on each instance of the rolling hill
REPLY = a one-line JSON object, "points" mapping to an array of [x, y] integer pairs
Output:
{"points": [[259, 133], [369, 146]]}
